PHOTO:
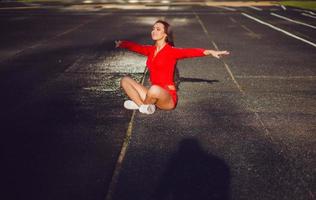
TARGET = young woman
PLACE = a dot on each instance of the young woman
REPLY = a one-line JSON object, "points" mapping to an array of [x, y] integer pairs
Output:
{"points": [[161, 61]]}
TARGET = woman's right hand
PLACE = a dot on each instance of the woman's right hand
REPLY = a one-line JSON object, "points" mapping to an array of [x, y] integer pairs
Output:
{"points": [[216, 54], [117, 43]]}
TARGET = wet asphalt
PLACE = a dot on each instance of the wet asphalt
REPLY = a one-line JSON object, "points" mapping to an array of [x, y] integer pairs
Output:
{"points": [[244, 127]]}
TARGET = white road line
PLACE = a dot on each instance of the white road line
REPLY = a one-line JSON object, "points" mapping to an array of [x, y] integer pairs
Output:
{"points": [[278, 29], [39, 43], [250, 32], [227, 8], [307, 11], [255, 8], [216, 47], [294, 21], [233, 20], [295, 9], [308, 15], [119, 162], [310, 12], [283, 7], [202, 25], [277, 77], [264, 127], [233, 77], [214, 44]]}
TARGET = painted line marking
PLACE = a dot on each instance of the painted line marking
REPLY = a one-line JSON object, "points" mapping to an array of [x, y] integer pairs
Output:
{"points": [[233, 20], [73, 29], [283, 7], [119, 162], [99, 89], [306, 11], [255, 8], [247, 29], [294, 21], [216, 47], [264, 127], [47, 40], [309, 12], [267, 132], [233, 78], [227, 8], [202, 24], [277, 77], [308, 15], [28, 99], [250, 32], [279, 29]]}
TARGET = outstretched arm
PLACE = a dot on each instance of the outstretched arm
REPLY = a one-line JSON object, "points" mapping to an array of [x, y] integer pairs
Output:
{"points": [[216, 54], [132, 46], [195, 52]]}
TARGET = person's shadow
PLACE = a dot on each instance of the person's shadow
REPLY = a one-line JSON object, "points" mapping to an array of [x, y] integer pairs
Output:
{"points": [[194, 174], [176, 76], [178, 79]]}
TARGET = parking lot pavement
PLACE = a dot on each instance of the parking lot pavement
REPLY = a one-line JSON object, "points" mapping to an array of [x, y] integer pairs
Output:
{"points": [[243, 129]]}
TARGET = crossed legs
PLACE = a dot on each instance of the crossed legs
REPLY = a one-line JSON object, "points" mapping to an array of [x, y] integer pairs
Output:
{"points": [[143, 96]]}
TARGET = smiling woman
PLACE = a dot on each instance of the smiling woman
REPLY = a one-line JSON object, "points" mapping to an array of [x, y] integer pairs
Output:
{"points": [[161, 61]]}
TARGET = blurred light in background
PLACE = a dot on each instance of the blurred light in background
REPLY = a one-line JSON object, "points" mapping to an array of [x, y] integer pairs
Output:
{"points": [[87, 1], [133, 1]]}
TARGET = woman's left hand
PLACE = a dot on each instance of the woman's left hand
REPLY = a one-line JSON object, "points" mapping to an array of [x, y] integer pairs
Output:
{"points": [[216, 54], [117, 43]]}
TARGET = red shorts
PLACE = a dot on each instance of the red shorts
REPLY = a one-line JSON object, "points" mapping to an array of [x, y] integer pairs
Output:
{"points": [[173, 93]]}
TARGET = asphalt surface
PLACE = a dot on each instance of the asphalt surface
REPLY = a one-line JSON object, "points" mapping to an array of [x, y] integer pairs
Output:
{"points": [[244, 127]]}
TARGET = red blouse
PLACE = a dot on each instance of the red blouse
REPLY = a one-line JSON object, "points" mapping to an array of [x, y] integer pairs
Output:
{"points": [[161, 67]]}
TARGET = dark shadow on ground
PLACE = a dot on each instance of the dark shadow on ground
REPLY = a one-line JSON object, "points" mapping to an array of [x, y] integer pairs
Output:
{"points": [[197, 80], [194, 174], [178, 79], [56, 137]]}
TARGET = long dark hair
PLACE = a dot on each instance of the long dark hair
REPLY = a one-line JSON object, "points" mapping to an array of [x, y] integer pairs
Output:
{"points": [[170, 41], [168, 31]]}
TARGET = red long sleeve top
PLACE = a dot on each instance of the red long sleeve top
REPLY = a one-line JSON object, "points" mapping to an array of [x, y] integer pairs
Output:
{"points": [[161, 67]]}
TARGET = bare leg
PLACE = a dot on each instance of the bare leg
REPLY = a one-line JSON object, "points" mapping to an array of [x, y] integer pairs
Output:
{"points": [[160, 97], [135, 91]]}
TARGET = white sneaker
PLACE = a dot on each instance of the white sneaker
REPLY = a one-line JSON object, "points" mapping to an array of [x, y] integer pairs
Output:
{"points": [[147, 109], [130, 105]]}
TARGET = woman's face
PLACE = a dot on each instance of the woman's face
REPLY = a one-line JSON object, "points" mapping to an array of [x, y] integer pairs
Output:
{"points": [[158, 32]]}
